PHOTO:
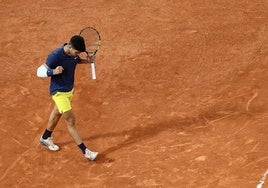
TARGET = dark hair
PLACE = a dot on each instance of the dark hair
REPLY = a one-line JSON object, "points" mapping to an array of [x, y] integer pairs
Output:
{"points": [[78, 43]]}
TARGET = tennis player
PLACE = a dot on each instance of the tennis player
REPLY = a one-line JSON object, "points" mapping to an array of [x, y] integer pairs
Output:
{"points": [[60, 67]]}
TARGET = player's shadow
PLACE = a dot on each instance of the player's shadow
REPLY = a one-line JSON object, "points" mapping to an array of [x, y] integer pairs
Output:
{"points": [[139, 133]]}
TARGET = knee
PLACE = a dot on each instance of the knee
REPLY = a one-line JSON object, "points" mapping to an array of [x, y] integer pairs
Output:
{"points": [[69, 117], [70, 120]]}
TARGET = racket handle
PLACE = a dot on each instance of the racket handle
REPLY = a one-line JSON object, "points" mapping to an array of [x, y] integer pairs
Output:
{"points": [[93, 71]]}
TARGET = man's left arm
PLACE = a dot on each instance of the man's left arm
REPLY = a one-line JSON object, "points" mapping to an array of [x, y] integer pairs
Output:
{"points": [[86, 60]]}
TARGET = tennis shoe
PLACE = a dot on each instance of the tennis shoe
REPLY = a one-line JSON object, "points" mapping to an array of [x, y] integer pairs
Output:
{"points": [[90, 155], [49, 143]]}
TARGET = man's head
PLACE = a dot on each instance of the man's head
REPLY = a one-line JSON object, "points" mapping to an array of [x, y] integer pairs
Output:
{"points": [[76, 45]]}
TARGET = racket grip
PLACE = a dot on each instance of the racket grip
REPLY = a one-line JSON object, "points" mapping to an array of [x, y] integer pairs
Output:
{"points": [[93, 71]]}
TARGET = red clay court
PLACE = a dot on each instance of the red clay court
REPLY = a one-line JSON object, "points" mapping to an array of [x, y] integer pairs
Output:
{"points": [[180, 98]]}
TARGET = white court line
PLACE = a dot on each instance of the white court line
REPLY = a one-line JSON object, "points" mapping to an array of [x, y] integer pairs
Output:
{"points": [[261, 182]]}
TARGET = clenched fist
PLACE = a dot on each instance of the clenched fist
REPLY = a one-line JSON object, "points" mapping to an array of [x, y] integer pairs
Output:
{"points": [[58, 70]]}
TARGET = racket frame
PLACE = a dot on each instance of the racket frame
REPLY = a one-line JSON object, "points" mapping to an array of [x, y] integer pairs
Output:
{"points": [[91, 55]]}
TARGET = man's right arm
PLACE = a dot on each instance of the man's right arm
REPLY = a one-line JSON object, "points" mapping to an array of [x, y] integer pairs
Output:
{"points": [[44, 71]]}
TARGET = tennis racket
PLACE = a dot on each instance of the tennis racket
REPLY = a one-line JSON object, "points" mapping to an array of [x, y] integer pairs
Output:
{"points": [[92, 41]]}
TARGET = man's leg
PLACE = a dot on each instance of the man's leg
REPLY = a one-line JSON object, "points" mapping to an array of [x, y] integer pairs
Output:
{"points": [[53, 119], [52, 122], [70, 121], [46, 138]]}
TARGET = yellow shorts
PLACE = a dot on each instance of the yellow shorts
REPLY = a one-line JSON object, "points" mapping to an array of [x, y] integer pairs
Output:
{"points": [[63, 101]]}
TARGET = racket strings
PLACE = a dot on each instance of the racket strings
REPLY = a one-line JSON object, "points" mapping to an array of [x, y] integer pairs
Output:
{"points": [[92, 40]]}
